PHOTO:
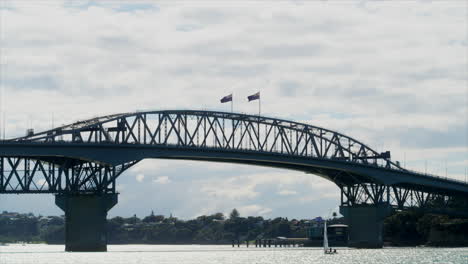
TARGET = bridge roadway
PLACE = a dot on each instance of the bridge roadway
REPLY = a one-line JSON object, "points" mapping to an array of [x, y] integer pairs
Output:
{"points": [[81, 162]]}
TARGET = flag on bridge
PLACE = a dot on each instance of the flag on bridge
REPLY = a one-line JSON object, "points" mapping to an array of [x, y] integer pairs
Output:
{"points": [[227, 98], [254, 96]]}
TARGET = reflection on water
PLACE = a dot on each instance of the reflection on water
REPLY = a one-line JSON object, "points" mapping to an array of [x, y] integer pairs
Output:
{"points": [[49, 254]]}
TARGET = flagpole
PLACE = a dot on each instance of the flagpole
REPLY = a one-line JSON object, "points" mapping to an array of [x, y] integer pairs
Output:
{"points": [[232, 102], [259, 104], [259, 113]]}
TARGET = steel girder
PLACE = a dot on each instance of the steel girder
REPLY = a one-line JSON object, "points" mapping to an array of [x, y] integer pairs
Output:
{"points": [[402, 198], [60, 175]]}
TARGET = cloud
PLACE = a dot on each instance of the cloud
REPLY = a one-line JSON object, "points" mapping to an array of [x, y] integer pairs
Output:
{"points": [[232, 189], [140, 177], [33, 82], [162, 180], [42, 183], [287, 192], [289, 88], [256, 186], [254, 210], [120, 187]]}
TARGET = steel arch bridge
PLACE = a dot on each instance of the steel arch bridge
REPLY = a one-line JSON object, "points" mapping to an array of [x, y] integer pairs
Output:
{"points": [[81, 162], [87, 157]]}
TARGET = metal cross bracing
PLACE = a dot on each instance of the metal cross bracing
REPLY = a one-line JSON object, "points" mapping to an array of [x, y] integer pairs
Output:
{"points": [[206, 129], [29, 175], [398, 197]]}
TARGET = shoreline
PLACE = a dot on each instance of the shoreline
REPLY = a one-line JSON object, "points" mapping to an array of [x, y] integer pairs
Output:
{"points": [[241, 245]]}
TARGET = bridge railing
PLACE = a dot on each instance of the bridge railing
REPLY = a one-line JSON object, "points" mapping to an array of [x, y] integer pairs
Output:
{"points": [[431, 175]]}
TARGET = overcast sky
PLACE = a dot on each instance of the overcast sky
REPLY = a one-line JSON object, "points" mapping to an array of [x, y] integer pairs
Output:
{"points": [[390, 74]]}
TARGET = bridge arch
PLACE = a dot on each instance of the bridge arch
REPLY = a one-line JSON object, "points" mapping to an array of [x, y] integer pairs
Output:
{"points": [[211, 136], [216, 130]]}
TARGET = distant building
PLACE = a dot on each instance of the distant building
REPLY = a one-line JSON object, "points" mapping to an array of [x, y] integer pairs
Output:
{"points": [[337, 234], [10, 215]]}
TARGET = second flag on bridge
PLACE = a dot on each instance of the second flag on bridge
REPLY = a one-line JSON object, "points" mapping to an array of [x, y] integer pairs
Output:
{"points": [[255, 96]]}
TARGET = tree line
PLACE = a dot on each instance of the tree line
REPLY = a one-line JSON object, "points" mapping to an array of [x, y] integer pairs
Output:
{"points": [[401, 229], [157, 229]]}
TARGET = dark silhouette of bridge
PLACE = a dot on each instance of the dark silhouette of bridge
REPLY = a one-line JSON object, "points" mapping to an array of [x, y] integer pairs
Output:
{"points": [[81, 162]]}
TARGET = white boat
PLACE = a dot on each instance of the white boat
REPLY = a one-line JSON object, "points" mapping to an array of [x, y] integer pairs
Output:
{"points": [[326, 248]]}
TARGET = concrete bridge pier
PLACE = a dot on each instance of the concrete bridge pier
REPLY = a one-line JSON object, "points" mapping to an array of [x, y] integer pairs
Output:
{"points": [[365, 223], [85, 220]]}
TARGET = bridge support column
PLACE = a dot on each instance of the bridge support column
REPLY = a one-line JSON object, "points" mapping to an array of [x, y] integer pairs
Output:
{"points": [[365, 224], [85, 220]]}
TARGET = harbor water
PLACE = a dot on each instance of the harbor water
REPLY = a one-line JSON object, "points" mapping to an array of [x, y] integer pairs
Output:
{"points": [[181, 254]]}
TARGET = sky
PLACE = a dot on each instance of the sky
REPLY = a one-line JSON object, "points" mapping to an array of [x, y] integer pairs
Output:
{"points": [[391, 74]]}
